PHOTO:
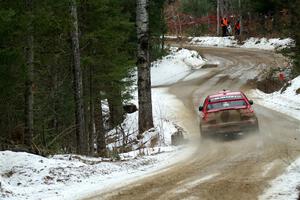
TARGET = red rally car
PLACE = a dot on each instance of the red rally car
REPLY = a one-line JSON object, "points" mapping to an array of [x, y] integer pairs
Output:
{"points": [[227, 112]]}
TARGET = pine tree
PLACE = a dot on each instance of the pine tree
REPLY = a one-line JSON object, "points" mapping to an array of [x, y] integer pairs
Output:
{"points": [[107, 55], [12, 74], [78, 88], [28, 134]]}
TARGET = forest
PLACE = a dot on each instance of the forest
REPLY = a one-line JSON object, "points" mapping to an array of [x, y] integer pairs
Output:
{"points": [[48, 107]]}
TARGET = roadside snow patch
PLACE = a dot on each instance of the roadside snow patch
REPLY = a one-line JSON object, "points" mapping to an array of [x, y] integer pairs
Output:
{"points": [[288, 102], [164, 106], [62, 177], [268, 44], [253, 43], [175, 66], [214, 41], [285, 186]]}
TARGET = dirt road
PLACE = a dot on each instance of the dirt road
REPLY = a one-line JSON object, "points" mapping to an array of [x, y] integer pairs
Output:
{"points": [[223, 169]]}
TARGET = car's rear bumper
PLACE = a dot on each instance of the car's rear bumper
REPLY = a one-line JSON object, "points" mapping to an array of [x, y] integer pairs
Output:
{"points": [[231, 127]]}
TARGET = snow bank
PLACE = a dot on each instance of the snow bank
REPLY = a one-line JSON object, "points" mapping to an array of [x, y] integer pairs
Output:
{"points": [[214, 41], [285, 186], [268, 44], [288, 102], [175, 66], [163, 105], [253, 43], [28, 176]]}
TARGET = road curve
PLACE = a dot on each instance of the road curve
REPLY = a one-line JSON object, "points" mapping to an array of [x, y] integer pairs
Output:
{"points": [[222, 169]]}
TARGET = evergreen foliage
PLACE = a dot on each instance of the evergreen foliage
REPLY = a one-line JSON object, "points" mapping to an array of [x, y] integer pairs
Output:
{"points": [[107, 47]]}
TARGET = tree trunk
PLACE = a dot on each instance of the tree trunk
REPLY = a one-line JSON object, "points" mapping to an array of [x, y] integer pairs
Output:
{"points": [[92, 116], [28, 133], [240, 18], [143, 63], [218, 17], [78, 96], [162, 31], [115, 106], [101, 144]]}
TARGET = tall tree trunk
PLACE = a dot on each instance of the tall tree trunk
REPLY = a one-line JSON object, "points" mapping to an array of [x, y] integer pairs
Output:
{"points": [[143, 63], [218, 17], [86, 103], [240, 18], [78, 96], [92, 116], [28, 133], [174, 20], [115, 106], [101, 144], [162, 30]]}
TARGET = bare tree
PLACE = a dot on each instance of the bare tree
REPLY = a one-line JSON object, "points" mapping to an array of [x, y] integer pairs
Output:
{"points": [[28, 134], [240, 10], [81, 137], [143, 64], [218, 17]]}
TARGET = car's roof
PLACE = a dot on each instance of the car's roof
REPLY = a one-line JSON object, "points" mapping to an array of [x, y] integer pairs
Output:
{"points": [[225, 95]]}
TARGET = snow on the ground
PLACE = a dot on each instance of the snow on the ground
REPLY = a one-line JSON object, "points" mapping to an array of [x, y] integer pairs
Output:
{"points": [[288, 102], [285, 186], [28, 176], [214, 41], [268, 44], [175, 66], [164, 106], [253, 43]]}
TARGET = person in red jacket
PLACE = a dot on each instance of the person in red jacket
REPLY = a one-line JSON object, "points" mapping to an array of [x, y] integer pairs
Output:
{"points": [[237, 28], [224, 24]]}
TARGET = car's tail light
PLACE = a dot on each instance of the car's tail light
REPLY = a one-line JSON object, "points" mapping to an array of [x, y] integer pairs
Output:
{"points": [[246, 113], [210, 118]]}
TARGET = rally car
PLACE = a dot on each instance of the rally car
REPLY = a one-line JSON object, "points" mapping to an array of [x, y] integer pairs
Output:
{"points": [[226, 113]]}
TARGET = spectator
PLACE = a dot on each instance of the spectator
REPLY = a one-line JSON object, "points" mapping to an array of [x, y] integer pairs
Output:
{"points": [[237, 28], [224, 24]]}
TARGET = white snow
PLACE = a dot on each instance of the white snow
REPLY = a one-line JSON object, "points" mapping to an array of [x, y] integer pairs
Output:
{"points": [[268, 44], [214, 41], [288, 102], [253, 43], [175, 66], [164, 106], [285, 186], [27, 176]]}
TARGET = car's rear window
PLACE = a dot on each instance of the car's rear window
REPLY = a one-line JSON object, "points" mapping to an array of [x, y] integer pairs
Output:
{"points": [[228, 97], [226, 104]]}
